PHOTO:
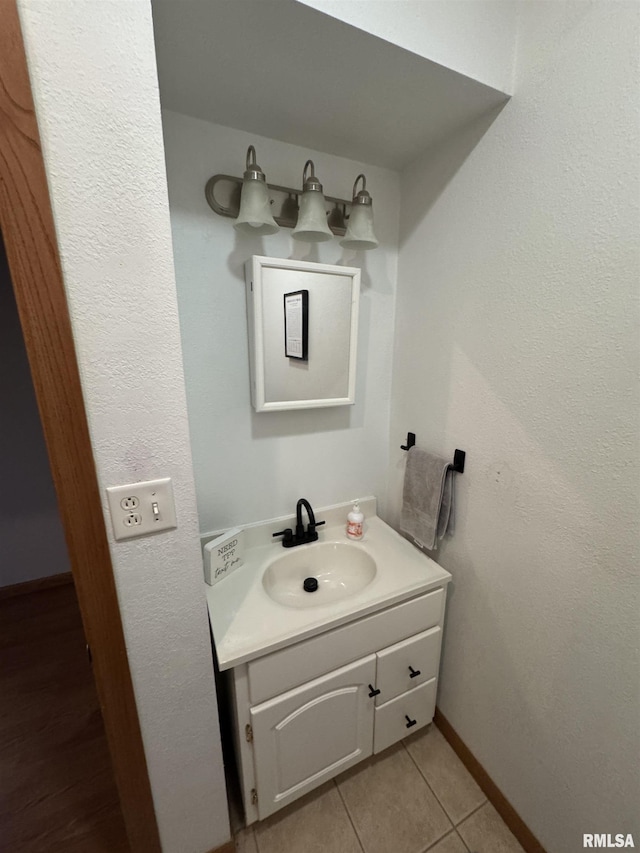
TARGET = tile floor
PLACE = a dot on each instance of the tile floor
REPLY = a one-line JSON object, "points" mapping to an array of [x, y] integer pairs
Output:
{"points": [[415, 796]]}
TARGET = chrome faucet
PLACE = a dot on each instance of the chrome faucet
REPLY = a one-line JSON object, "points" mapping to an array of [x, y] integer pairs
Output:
{"points": [[301, 536]]}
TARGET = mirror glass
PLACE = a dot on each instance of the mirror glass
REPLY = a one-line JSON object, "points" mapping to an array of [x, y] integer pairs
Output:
{"points": [[303, 326]]}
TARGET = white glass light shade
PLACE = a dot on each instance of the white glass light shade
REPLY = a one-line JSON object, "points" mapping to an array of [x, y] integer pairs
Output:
{"points": [[255, 209], [360, 229], [312, 219]]}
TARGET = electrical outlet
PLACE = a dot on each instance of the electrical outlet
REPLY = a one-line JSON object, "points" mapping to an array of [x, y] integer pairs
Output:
{"points": [[138, 509]]}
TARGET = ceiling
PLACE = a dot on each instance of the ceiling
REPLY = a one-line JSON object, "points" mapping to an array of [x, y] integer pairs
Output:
{"points": [[282, 70]]}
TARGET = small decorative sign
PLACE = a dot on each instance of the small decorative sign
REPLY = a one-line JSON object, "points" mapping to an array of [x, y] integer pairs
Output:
{"points": [[223, 555], [296, 324]]}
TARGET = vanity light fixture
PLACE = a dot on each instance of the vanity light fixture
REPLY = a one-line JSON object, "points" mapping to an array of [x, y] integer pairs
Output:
{"points": [[255, 215], [312, 219], [313, 216], [360, 228]]}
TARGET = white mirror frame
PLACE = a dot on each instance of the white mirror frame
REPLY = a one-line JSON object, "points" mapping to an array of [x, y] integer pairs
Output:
{"points": [[255, 320]]}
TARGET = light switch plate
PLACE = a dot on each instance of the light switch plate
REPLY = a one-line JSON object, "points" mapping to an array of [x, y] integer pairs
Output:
{"points": [[138, 509]]}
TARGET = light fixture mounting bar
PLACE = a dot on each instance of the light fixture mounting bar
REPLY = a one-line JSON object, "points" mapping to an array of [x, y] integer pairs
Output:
{"points": [[223, 197]]}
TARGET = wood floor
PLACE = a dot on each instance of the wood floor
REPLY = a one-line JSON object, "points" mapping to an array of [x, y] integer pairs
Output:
{"points": [[57, 793]]}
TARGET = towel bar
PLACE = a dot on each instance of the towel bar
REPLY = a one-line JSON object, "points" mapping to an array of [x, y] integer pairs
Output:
{"points": [[411, 440], [458, 461], [458, 456]]}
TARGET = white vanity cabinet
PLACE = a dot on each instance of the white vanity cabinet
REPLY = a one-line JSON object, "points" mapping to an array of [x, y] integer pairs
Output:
{"points": [[307, 712]]}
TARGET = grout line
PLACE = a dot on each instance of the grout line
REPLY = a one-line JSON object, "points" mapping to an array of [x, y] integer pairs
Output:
{"points": [[344, 804], [446, 814], [477, 809], [473, 811], [255, 838], [462, 841], [453, 832], [430, 787], [442, 838]]}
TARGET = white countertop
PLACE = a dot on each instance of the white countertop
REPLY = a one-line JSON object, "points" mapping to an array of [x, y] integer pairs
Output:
{"points": [[247, 623]]}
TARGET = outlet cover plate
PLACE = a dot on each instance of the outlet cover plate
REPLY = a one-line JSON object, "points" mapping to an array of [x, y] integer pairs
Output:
{"points": [[138, 509]]}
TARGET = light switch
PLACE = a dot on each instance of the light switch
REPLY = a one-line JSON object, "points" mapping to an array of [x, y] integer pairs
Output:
{"points": [[138, 509]]}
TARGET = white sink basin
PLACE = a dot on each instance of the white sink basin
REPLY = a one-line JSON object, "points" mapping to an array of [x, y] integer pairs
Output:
{"points": [[262, 607], [340, 568]]}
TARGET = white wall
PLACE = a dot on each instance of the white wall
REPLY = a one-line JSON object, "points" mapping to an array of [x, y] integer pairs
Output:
{"points": [[517, 340], [93, 72], [31, 533], [476, 37], [248, 465]]}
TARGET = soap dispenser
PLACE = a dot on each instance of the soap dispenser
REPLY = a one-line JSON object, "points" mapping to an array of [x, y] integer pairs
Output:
{"points": [[354, 523]]}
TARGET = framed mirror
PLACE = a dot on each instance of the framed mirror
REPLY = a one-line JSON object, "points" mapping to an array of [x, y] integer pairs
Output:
{"points": [[303, 330]]}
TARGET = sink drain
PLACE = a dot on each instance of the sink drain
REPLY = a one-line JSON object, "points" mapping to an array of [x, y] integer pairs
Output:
{"points": [[310, 584]]}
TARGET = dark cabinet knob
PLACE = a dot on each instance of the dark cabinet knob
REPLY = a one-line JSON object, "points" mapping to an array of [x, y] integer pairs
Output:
{"points": [[414, 672], [410, 722], [373, 691]]}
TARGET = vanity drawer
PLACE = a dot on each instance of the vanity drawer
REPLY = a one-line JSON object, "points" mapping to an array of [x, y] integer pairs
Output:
{"points": [[393, 719], [306, 660], [408, 664]]}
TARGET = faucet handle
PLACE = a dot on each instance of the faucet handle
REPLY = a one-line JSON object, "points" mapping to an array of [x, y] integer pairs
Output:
{"points": [[312, 535], [287, 534]]}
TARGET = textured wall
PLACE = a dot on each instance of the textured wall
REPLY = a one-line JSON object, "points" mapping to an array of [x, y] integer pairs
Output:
{"points": [[517, 339], [249, 465], [31, 534], [94, 79], [475, 37]]}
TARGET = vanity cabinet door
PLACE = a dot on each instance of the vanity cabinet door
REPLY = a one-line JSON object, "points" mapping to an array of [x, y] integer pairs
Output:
{"points": [[312, 733]]}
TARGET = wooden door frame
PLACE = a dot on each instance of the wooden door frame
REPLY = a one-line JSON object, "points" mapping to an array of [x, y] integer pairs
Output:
{"points": [[28, 230]]}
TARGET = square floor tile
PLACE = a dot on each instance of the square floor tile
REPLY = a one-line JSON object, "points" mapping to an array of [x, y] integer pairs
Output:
{"points": [[318, 823], [391, 806], [451, 843], [449, 779], [485, 832]]}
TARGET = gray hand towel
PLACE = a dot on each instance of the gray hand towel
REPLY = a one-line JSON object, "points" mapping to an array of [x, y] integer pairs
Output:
{"points": [[427, 497]]}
